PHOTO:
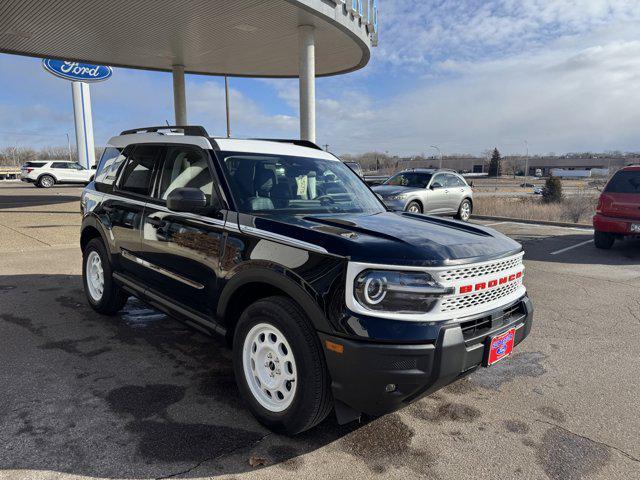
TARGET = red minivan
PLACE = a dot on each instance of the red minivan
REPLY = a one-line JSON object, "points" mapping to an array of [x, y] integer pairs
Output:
{"points": [[618, 211]]}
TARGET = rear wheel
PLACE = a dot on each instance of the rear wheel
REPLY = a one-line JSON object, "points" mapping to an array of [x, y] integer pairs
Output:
{"points": [[464, 211], [103, 294], [279, 366], [414, 207], [46, 181], [603, 240]]}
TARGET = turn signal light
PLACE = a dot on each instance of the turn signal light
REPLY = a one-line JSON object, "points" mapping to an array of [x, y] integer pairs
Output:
{"points": [[334, 347]]}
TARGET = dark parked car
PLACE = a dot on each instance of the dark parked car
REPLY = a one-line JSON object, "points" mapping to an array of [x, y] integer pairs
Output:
{"points": [[618, 211], [328, 300]]}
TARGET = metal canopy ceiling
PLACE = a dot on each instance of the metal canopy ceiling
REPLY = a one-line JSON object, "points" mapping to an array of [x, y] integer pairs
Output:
{"points": [[234, 37]]}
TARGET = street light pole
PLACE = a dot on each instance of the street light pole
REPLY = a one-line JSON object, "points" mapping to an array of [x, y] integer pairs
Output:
{"points": [[226, 99], [526, 164], [439, 153]]}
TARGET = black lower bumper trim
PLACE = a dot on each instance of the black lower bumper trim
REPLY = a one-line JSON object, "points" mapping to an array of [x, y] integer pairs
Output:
{"points": [[376, 378]]}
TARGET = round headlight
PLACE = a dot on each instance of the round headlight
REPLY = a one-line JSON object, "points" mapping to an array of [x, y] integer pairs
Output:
{"points": [[375, 289]]}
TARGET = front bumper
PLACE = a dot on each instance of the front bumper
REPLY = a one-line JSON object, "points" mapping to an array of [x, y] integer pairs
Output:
{"points": [[361, 373], [395, 205], [621, 226]]}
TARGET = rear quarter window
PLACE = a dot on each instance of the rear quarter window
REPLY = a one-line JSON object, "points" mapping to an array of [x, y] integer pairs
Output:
{"points": [[626, 181], [34, 164], [108, 166]]}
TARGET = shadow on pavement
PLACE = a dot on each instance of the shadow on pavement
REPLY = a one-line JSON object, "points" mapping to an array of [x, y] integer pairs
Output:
{"points": [[623, 253], [130, 396]]}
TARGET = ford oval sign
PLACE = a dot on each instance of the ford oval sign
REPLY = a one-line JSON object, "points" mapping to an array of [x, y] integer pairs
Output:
{"points": [[78, 72]]}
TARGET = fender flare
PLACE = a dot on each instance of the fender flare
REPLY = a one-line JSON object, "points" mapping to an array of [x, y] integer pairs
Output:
{"points": [[93, 221], [282, 281]]}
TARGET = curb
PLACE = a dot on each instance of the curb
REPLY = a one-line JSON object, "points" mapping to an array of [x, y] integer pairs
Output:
{"points": [[533, 222]]}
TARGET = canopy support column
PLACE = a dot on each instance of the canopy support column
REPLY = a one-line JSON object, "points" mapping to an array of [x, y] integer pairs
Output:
{"points": [[84, 123], [179, 97], [307, 73]]}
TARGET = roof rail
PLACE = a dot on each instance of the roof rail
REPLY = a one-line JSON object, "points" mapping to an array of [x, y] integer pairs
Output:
{"points": [[195, 130], [300, 143]]}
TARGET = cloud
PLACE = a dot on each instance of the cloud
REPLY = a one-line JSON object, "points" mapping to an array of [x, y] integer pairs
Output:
{"points": [[556, 100]]}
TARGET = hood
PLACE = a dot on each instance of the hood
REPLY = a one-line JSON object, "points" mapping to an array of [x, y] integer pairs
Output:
{"points": [[393, 238], [391, 190]]}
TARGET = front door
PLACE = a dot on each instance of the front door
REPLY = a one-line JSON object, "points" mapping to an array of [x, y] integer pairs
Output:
{"points": [[437, 197], [183, 249]]}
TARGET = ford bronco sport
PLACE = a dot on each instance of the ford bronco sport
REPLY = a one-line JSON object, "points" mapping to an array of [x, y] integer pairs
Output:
{"points": [[328, 300]]}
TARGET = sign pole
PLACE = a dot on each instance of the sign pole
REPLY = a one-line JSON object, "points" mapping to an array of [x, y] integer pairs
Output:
{"points": [[83, 123]]}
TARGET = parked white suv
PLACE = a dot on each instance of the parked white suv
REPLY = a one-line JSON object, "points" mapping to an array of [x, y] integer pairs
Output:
{"points": [[47, 173]]}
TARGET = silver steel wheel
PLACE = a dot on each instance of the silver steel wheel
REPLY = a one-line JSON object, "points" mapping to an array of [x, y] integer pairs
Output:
{"points": [[46, 182], [465, 211], [414, 208], [95, 276], [269, 367]]}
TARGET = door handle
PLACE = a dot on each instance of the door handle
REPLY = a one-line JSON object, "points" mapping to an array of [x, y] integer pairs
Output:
{"points": [[156, 222]]}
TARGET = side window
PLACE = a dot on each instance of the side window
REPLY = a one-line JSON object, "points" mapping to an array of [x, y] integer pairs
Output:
{"points": [[108, 166], [76, 166], [186, 167], [60, 165], [454, 181], [138, 171]]}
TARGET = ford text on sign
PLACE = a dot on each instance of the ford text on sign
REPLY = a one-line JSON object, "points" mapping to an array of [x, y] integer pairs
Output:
{"points": [[79, 72]]}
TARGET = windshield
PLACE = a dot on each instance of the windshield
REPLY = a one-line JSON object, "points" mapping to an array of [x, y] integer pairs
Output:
{"points": [[286, 184], [409, 179], [625, 182]]}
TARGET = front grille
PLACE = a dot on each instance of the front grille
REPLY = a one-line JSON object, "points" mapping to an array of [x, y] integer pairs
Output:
{"points": [[479, 270], [453, 304], [473, 328], [478, 328]]}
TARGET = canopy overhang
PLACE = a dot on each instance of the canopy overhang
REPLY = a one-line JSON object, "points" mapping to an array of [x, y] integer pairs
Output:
{"points": [[215, 37]]}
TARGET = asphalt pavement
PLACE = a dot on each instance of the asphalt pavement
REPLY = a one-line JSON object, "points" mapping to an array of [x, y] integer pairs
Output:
{"points": [[141, 396]]}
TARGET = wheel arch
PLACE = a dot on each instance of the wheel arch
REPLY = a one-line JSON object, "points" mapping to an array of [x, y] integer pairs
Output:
{"points": [[91, 228], [252, 285], [47, 174]]}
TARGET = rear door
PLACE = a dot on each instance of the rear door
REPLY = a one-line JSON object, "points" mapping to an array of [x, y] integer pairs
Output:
{"points": [[125, 206], [455, 188], [183, 249], [62, 171]]}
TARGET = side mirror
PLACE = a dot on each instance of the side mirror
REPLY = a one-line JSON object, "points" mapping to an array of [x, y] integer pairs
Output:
{"points": [[186, 200], [435, 186]]}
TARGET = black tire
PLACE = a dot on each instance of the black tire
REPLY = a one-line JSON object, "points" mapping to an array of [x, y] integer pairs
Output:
{"points": [[312, 401], [603, 240], [413, 207], [113, 297], [462, 215], [46, 181]]}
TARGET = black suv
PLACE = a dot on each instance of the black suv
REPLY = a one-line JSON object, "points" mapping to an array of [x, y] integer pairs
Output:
{"points": [[328, 300]]}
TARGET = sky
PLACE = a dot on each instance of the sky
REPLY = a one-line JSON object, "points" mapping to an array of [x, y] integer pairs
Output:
{"points": [[554, 76]]}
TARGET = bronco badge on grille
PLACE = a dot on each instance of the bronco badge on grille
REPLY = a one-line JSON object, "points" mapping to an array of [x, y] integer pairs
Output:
{"points": [[490, 284]]}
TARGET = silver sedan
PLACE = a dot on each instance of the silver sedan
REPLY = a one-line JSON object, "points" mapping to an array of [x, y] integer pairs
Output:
{"points": [[428, 191]]}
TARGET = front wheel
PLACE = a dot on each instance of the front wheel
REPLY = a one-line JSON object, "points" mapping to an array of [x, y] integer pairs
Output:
{"points": [[103, 294], [414, 207], [603, 240], [464, 211], [279, 366]]}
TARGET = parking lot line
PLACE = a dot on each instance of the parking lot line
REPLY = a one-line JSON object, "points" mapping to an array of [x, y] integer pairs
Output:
{"points": [[571, 247]]}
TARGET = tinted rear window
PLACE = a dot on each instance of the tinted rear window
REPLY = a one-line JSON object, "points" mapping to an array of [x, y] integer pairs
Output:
{"points": [[625, 182], [109, 164], [34, 164]]}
